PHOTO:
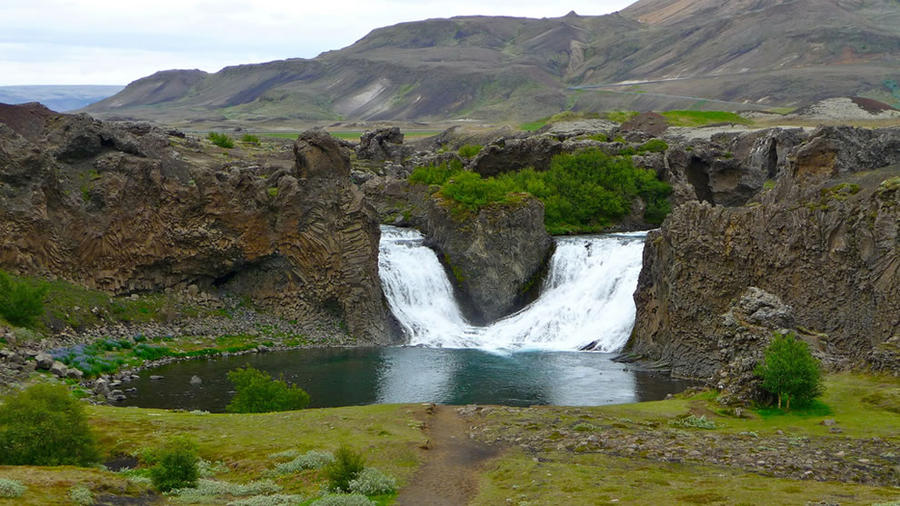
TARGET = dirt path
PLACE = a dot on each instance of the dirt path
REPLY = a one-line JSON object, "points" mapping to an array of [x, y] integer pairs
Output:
{"points": [[450, 473]]}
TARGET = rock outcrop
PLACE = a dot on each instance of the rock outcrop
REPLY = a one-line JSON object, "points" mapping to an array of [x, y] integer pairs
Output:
{"points": [[121, 210], [824, 240], [494, 256], [382, 144], [509, 155]]}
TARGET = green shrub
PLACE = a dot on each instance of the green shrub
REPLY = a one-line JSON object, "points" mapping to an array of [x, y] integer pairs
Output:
{"points": [[20, 302], [257, 392], [470, 150], [371, 481], [221, 140], [175, 465], [45, 426], [343, 500], [79, 494], [435, 174], [250, 139], [653, 146], [790, 372], [346, 466], [10, 489], [475, 192]]}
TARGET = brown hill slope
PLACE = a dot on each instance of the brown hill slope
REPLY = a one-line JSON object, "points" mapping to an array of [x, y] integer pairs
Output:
{"points": [[752, 52]]}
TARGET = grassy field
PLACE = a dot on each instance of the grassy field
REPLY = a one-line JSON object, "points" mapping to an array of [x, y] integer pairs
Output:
{"points": [[864, 407]]}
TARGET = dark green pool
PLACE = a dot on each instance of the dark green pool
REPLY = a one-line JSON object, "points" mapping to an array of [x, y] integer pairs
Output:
{"points": [[345, 377]]}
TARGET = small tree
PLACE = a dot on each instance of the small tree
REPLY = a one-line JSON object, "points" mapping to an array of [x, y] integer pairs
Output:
{"points": [[257, 392], [45, 426], [20, 303], [345, 467], [790, 372], [176, 465]]}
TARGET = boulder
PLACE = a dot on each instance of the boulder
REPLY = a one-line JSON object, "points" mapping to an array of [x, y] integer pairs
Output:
{"points": [[59, 369], [509, 155], [382, 144], [44, 360]]}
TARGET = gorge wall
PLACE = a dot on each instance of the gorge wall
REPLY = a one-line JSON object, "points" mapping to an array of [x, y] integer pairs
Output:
{"points": [[126, 209], [822, 241]]}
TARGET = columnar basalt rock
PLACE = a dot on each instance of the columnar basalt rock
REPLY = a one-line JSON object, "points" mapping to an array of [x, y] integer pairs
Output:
{"points": [[128, 214], [825, 240]]}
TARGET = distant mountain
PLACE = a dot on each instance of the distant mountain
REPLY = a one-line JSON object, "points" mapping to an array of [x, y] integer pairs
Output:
{"points": [[57, 97], [733, 54]]}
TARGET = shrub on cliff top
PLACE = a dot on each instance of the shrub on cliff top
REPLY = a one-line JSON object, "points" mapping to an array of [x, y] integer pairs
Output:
{"points": [[221, 140], [790, 372], [257, 392], [20, 302], [45, 426]]}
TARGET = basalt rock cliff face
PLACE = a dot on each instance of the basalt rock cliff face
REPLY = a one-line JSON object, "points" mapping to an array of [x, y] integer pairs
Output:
{"points": [[118, 208], [823, 241]]}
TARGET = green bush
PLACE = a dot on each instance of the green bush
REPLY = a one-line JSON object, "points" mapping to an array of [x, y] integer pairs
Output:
{"points": [[175, 465], [20, 302], [790, 372], [653, 146], [250, 139], [257, 392], [694, 422], [221, 140], [435, 174], [470, 150], [10, 489], [345, 468], [371, 481], [45, 426]]}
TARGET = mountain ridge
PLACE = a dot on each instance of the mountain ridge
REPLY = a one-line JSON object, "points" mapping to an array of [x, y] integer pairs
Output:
{"points": [[797, 51]]}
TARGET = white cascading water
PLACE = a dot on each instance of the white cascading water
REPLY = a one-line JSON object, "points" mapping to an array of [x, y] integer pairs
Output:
{"points": [[586, 298]]}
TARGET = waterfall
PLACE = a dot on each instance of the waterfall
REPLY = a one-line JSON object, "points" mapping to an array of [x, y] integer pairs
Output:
{"points": [[586, 297]]}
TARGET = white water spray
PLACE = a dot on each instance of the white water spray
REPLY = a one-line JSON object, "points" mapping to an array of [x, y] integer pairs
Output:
{"points": [[586, 298]]}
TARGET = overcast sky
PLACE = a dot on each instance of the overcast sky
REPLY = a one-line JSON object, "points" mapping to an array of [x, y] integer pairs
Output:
{"points": [[118, 41]]}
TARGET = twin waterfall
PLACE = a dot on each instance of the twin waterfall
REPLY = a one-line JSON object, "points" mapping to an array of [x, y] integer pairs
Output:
{"points": [[586, 297]]}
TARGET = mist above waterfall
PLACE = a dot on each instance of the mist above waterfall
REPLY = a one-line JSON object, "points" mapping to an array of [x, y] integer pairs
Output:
{"points": [[586, 297]]}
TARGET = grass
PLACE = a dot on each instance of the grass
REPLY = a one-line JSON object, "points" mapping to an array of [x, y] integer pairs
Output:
{"points": [[864, 406], [701, 118], [560, 478]]}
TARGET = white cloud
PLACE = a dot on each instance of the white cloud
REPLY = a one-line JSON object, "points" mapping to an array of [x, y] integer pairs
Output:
{"points": [[115, 42]]}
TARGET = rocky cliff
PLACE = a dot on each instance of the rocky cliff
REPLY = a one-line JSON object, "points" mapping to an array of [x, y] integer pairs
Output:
{"points": [[823, 239], [127, 209]]}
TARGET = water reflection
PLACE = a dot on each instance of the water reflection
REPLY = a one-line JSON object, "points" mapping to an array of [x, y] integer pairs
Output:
{"points": [[343, 377]]}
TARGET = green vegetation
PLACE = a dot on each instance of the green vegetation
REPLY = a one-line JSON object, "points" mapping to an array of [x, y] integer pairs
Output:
{"points": [[44, 425], [257, 392], [175, 465], [81, 495], [345, 467], [653, 146], [581, 192], [790, 372], [20, 302], [10, 489], [371, 481], [220, 139], [620, 116], [250, 139], [701, 118], [272, 191], [470, 150], [693, 422]]}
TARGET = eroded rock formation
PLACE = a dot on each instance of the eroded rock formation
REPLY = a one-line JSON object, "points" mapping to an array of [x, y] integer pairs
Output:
{"points": [[824, 240], [121, 210]]}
